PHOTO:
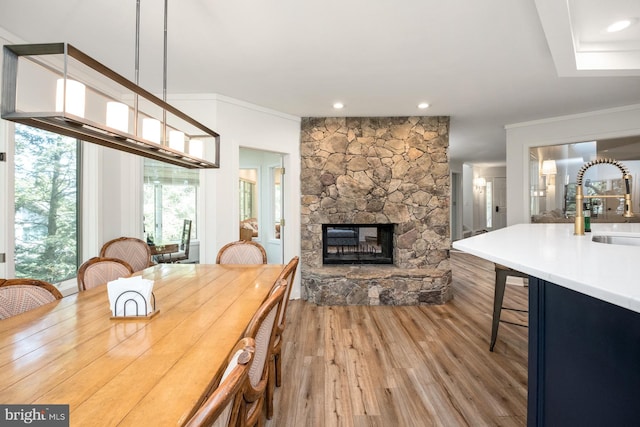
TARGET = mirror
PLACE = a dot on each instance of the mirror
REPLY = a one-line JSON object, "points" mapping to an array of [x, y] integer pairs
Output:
{"points": [[552, 181]]}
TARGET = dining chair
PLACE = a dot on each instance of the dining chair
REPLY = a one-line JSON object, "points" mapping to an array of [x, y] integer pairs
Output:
{"points": [[134, 251], [262, 329], [100, 270], [183, 252], [222, 407], [20, 295], [275, 378], [242, 252]]}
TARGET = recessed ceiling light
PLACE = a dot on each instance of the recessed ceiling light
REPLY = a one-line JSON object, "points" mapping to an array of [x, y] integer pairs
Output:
{"points": [[619, 25], [338, 105], [423, 105]]}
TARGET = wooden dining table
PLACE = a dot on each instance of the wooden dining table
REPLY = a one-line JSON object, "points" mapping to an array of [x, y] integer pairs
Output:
{"points": [[138, 372]]}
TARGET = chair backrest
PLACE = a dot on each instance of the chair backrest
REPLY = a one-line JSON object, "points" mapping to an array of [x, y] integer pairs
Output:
{"points": [[262, 330], [222, 407], [100, 270], [185, 240], [288, 275], [20, 295], [129, 249], [242, 252]]}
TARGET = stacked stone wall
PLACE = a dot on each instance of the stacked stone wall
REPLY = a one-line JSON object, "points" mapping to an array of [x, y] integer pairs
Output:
{"points": [[390, 170]]}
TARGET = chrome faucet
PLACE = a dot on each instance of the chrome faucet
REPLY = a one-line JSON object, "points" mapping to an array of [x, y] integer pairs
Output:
{"points": [[626, 176]]}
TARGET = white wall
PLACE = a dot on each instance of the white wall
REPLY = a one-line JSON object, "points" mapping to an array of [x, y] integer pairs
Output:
{"points": [[611, 123]]}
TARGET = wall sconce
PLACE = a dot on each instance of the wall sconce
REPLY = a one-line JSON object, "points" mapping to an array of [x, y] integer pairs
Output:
{"points": [[548, 172], [549, 167], [98, 105], [479, 183]]}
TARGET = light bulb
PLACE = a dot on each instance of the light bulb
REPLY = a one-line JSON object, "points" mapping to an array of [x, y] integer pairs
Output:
{"points": [[74, 97], [151, 130], [118, 116], [195, 148], [176, 140]]}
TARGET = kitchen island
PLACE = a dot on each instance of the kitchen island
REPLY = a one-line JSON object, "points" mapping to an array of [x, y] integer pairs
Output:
{"points": [[584, 319]]}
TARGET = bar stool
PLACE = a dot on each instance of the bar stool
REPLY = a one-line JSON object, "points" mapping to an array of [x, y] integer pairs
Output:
{"points": [[501, 280]]}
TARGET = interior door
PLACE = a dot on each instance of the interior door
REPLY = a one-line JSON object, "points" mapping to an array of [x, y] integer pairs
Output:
{"points": [[499, 203]]}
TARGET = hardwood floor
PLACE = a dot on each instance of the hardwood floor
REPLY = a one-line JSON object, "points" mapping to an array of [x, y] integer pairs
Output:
{"points": [[407, 365]]}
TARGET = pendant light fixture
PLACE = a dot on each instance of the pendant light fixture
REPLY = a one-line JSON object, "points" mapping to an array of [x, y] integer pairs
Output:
{"points": [[58, 88]]}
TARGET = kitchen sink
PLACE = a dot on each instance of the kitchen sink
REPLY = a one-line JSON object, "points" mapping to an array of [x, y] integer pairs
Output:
{"points": [[618, 240]]}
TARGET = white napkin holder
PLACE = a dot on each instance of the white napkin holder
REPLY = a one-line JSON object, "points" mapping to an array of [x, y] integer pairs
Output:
{"points": [[131, 298]]}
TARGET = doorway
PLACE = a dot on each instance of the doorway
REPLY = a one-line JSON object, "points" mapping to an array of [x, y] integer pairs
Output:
{"points": [[261, 195], [499, 202]]}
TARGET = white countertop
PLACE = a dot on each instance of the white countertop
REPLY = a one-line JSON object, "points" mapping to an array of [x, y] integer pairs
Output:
{"points": [[551, 252]]}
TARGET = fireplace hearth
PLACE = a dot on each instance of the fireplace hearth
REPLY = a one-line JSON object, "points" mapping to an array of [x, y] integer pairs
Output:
{"points": [[357, 243]]}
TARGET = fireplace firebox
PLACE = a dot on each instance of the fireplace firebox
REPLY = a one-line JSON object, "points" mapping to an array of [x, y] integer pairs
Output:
{"points": [[357, 243]]}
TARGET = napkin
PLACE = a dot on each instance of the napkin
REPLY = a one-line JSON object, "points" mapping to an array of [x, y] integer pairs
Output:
{"points": [[131, 296]]}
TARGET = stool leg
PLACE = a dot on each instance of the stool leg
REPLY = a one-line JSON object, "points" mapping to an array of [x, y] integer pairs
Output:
{"points": [[501, 280]]}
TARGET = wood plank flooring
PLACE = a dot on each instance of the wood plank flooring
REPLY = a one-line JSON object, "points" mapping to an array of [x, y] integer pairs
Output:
{"points": [[409, 365]]}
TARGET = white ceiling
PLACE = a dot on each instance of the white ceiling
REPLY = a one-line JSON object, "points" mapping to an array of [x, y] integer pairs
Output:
{"points": [[484, 63]]}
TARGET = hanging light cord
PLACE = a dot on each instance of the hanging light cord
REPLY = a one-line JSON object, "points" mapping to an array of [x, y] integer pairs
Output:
{"points": [[164, 59], [137, 68], [164, 73], [164, 67]]}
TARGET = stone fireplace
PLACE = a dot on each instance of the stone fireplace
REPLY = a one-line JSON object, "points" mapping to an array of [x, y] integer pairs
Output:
{"points": [[376, 170], [357, 244]]}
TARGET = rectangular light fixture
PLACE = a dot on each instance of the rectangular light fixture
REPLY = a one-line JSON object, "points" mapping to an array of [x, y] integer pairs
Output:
{"points": [[95, 104]]}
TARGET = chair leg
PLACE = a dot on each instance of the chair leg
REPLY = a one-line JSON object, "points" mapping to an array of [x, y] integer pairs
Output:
{"points": [[501, 280], [278, 369], [271, 388]]}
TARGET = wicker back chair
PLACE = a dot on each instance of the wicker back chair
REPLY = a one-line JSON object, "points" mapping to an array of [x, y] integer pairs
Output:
{"points": [[262, 329], [20, 295], [288, 275], [129, 249], [222, 407], [242, 252], [100, 270]]}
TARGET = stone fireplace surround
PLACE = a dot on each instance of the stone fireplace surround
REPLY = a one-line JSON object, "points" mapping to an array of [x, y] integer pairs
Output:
{"points": [[391, 170]]}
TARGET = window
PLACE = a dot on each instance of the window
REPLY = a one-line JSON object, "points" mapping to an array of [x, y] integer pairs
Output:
{"points": [[170, 197], [46, 191]]}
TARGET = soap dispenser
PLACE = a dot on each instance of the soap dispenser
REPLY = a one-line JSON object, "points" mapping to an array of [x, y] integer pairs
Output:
{"points": [[586, 207]]}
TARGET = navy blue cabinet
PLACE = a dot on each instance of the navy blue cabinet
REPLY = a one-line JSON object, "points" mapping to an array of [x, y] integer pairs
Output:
{"points": [[584, 360]]}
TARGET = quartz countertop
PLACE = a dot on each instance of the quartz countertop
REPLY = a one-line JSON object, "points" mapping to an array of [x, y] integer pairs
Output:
{"points": [[551, 252]]}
